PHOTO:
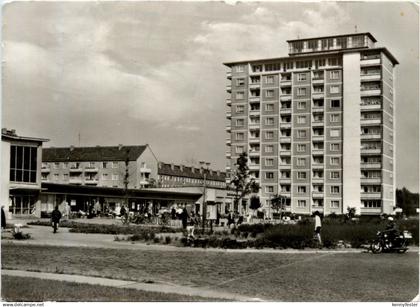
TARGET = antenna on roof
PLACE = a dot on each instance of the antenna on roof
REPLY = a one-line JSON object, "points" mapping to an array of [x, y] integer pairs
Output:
{"points": [[355, 29], [79, 139]]}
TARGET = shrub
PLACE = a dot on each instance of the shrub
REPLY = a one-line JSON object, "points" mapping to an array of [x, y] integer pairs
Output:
{"points": [[156, 240], [168, 240], [21, 236]]}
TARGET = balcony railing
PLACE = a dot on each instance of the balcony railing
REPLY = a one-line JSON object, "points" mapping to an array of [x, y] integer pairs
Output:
{"points": [[370, 62], [370, 121], [370, 180], [286, 97], [370, 106], [228, 101], [370, 92], [371, 195], [91, 169], [91, 181], [371, 136], [370, 165], [370, 150], [370, 77], [75, 169]]}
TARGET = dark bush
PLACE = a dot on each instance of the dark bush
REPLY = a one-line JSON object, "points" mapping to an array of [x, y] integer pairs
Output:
{"points": [[21, 236], [168, 240]]}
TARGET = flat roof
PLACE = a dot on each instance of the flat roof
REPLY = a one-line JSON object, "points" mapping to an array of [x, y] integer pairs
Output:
{"points": [[312, 54], [23, 138], [332, 36], [83, 190]]}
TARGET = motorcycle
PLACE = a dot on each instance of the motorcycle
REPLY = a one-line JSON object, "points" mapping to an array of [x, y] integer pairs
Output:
{"points": [[384, 242]]}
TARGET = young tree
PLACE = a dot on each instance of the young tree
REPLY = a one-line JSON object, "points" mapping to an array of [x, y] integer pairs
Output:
{"points": [[278, 203], [241, 181], [254, 203]]}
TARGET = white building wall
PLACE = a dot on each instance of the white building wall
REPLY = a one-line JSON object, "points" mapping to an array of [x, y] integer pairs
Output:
{"points": [[5, 169], [351, 131]]}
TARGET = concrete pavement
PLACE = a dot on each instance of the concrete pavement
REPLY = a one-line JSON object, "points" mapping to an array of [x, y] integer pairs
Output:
{"points": [[163, 288]]}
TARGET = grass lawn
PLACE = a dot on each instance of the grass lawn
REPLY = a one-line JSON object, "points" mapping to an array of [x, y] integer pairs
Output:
{"points": [[269, 276], [26, 289]]}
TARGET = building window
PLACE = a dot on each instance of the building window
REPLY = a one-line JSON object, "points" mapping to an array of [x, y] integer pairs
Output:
{"points": [[240, 82], [240, 68], [301, 203], [335, 204], [301, 77], [335, 103], [44, 176], [334, 74], [104, 176], [239, 122], [240, 109], [335, 189], [269, 135], [301, 147], [240, 136], [334, 133], [269, 121], [269, 107], [334, 118], [56, 165], [114, 164], [301, 105], [335, 147], [239, 95], [301, 189], [269, 162], [269, 175], [334, 89], [269, 189], [115, 177], [65, 165], [334, 160], [301, 162], [104, 164], [65, 177], [301, 119], [301, 134], [269, 93], [239, 149], [335, 175], [23, 163], [269, 79], [301, 175], [301, 91], [269, 148]]}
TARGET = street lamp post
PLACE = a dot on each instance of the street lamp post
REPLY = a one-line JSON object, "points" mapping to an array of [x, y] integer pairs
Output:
{"points": [[202, 164]]}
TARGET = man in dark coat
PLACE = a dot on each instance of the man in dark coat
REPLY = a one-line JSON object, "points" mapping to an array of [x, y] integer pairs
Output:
{"points": [[184, 218], [55, 218], [3, 218]]}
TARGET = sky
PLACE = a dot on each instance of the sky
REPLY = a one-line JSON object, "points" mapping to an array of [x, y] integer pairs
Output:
{"points": [[151, 72]]}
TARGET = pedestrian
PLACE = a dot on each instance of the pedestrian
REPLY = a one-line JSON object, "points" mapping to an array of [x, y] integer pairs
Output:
{"points": [[3, 218], [184, 218], [55, 218], [318, 227]]}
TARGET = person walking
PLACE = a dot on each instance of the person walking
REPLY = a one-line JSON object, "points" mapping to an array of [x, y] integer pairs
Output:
{"points": [[318, 226], [184, 218], [55, 218], [3, 218]]}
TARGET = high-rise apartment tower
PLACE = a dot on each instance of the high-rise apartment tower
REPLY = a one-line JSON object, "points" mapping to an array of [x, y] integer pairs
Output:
{"points": [[318, 125]]}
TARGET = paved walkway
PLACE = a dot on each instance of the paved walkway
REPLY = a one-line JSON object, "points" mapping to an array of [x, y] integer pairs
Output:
{"points": [[163, 288]]}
